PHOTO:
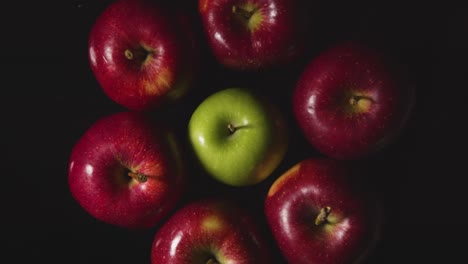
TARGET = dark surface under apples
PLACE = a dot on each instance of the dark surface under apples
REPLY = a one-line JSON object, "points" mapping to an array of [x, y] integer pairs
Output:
{"points": [[50, 97]]}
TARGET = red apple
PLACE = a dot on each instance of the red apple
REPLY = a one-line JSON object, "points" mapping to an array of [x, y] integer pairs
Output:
{"points": [[318, 213], [142, 53], [210, 231], [126, 170], [252, 35], [351, 102]]}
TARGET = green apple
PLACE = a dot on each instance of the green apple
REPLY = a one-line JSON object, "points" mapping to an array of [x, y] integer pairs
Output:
{"points": [[238, 136]]}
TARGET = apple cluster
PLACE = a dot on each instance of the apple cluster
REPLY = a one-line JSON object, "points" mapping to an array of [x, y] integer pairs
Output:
{"points": [[128, 169]]}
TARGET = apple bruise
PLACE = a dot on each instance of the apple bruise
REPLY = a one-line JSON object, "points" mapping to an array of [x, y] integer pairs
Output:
{"points": [[248, 15]]}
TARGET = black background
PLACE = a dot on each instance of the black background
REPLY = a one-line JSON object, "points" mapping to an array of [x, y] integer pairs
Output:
{"points": [[49, 98]]}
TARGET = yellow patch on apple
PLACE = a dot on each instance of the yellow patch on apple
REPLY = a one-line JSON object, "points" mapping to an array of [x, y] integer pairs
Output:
{"points": [[283, 179], [203, 4], [153, 169], [212, 223], [161, 84]]}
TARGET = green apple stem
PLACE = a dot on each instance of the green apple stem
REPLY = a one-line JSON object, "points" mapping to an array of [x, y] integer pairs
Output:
{"points": [[242, 12], [138, 176], [232, 129], [322, 216], [212, 261]]}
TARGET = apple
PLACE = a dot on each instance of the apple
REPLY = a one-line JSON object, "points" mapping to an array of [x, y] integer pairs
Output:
{"points": [[253, 35], [127, 170], [238, 136], [318, 212], [351, 102], [142, 53], [210, 231]]}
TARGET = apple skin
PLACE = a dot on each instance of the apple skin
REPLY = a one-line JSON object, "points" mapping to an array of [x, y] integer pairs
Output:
{"points": [[143, 53], [109, 150], [351, 102], [273, 36], [212, 228], [296, 198], [250, 153]]}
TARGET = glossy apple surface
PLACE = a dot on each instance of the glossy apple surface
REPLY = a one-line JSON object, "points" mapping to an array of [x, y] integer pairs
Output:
{"points": [[252, 35], [318, 212], [350, 102], [126, 170], [210, 231], [142, 53], [238, 136]]}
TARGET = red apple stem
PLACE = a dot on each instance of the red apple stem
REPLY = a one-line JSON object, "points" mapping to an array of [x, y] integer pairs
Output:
{"points": [[139, 54], [212, 261], [138, 176], [354, 100], [242, 12], [322, 216]]}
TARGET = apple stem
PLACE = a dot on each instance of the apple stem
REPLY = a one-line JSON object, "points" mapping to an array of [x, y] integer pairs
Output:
{"points": [[241, 11], [322, 216], [138, 176], [139, 54], [356, 99], [212, 261], [231, 128]]}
